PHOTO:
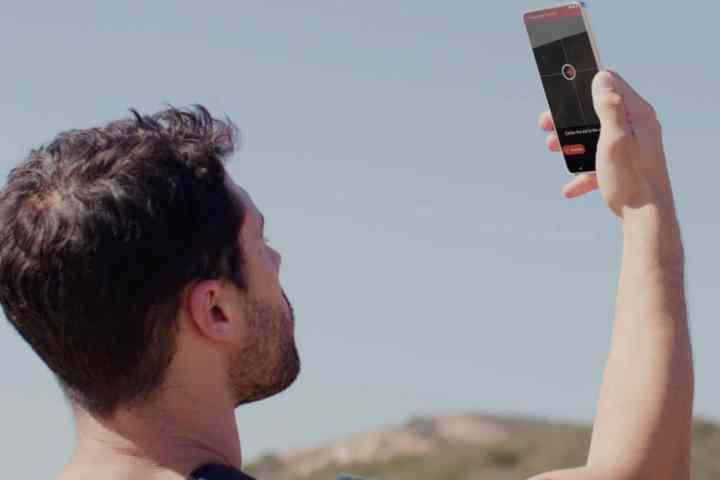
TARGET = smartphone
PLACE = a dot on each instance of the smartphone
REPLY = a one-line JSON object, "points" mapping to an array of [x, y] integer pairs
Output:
{"points": [[568, 60]]}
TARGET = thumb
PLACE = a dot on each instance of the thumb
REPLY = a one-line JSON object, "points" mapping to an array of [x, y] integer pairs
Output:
{"points": [[609, 103]]}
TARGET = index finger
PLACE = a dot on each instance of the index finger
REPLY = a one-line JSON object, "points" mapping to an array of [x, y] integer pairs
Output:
{"points": [[545, 122]]}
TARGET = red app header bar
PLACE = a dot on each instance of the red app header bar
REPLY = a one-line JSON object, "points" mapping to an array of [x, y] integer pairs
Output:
{"points": [[573, 10]]}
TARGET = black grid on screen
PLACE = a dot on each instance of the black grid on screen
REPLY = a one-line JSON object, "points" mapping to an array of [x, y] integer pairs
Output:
{"points": [[570, 100]]}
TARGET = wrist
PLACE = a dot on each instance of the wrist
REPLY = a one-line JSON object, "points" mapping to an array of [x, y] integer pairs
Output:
{"points": [[649, 214], [653, 232]]}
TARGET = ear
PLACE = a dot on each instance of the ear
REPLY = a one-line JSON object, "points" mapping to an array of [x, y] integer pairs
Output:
{"points": [[211, 313]]}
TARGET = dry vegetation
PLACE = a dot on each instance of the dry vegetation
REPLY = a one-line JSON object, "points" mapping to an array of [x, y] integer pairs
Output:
{"points": [[462, 447]]}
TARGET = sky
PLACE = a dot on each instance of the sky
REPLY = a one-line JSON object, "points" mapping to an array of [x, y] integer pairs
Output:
{"points": [[392, 147]]}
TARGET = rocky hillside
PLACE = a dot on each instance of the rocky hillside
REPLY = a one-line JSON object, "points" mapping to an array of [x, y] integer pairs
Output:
{"points": [[461, 447]]}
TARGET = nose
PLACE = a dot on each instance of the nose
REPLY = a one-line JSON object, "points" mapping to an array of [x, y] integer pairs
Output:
{"points": [[276, 258]]}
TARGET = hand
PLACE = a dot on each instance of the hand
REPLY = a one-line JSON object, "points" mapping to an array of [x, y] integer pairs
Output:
{"points": [[631, 168]]}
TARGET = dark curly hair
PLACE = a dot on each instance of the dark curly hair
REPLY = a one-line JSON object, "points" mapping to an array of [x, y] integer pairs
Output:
{"points": [[99, 232]]}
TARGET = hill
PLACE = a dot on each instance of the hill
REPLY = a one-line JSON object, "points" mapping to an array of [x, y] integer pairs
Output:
{"points": [[462, 447]]}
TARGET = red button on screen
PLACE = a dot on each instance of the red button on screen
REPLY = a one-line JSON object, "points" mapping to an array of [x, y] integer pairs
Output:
{"points": [[574, 149]]}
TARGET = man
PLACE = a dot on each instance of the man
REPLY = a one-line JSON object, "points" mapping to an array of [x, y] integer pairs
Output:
{"points": [[138, 271]]}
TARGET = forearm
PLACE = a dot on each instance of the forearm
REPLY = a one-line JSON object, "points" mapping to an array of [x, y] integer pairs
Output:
{"points": [[644, 413]]}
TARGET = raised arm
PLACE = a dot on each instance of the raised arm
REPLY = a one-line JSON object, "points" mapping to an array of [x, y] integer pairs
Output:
{"points": [[643, 425]]}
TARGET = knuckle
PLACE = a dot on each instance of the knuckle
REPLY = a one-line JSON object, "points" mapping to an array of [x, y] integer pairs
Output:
{"points": [[612, 100], [618, 142], [648, 112], [621, 137]]}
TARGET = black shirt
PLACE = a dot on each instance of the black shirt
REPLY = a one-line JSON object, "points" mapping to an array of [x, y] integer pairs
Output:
{"points": [[218, 472]]}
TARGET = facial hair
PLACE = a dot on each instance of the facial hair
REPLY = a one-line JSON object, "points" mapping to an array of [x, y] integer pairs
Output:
{"points": [[269, 362]]}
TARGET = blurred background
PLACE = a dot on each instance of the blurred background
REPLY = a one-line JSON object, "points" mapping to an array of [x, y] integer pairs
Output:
{"points": [[393, 149]]}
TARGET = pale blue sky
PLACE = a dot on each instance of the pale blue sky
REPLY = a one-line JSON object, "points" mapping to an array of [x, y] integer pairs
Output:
{"points": [[432, 261]]}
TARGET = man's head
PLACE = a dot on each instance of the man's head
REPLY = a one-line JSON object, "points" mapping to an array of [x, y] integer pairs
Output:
{"points": [[125, 247]]}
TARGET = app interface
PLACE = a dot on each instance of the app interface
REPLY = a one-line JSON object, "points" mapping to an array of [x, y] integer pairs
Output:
{"points": [[567, 66]]}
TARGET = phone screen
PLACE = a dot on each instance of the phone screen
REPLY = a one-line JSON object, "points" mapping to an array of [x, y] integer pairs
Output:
{"points": [[567, 64]]}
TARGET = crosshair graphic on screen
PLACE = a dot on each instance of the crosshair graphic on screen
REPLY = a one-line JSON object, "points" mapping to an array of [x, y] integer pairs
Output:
{"points": [[567, 67]]}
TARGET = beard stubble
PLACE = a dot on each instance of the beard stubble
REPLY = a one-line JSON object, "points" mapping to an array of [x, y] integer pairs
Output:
{"points": [[269, 362]]}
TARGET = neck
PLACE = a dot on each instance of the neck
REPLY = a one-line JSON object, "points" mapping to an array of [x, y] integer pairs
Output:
{"points": [[165, 439]]}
